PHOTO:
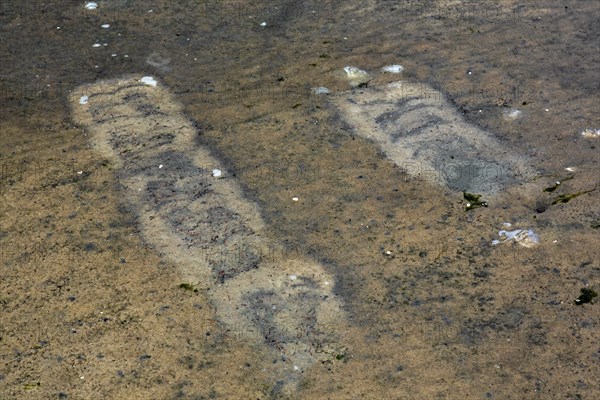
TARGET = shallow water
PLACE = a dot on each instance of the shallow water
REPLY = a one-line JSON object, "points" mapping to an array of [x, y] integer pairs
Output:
{"points": [[91, 308]]}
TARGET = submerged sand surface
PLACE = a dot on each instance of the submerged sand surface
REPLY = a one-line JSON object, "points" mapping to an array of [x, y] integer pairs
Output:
{"points": [[93, 307]]}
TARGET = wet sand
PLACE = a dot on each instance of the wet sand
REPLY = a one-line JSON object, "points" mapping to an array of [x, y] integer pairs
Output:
{"points": [[92, 310]]}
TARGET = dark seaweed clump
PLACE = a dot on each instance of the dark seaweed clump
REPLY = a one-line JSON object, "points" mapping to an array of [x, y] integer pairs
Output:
{"points": [[586, 296]]}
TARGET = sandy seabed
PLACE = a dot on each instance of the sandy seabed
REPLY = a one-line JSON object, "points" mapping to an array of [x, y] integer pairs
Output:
{"points": [[92, 306]]}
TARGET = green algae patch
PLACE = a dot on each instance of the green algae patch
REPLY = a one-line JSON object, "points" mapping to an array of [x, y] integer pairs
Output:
{"points": [[189, 287], [551, 189], [31, 386], [565, 198], [473, 201]]}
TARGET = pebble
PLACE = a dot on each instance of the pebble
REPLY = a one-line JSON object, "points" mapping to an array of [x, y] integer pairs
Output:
{"points": [[356, 76], [90, 5], [83, 99], [591, 133], [217, 173], [321, 90], [148, 80], [525, 237], [512, 114], [394, 69]]}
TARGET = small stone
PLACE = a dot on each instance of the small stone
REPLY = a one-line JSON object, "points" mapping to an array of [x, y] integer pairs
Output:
{"points": [[512, 114], [148, 80], [591, 133], [394, 69], [321, 90]]}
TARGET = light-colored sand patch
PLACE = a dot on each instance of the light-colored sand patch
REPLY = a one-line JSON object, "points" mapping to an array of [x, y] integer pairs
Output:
{"points": [[422, 133], [201, 221]]}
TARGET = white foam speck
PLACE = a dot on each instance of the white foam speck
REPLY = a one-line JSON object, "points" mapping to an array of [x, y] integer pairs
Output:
{"points": [[105, 26], [90, 5], [394, 69], [83, 99], [148, 80], [96, 45], [263, 24]]}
